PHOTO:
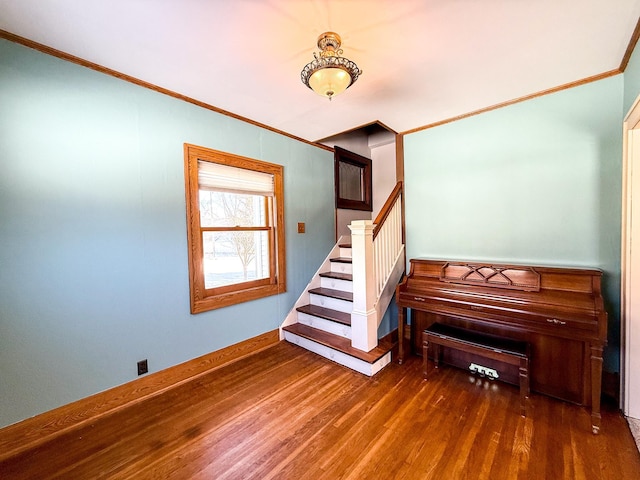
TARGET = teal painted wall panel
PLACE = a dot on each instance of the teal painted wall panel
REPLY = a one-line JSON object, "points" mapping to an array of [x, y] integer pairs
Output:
{"points": [[537, 182], [632, 80], [93, 256]]}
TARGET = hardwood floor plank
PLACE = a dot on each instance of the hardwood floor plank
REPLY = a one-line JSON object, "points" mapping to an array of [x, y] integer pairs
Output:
{"points": [[233, 422], [457, 464], [286, 413]]}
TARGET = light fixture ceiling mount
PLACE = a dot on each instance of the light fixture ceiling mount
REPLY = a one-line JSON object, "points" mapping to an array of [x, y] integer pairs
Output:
{"points": [[329, 74]]}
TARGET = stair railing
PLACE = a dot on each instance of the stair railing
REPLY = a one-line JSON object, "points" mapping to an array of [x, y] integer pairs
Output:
{"points": [[378, 264], [387, 237]]}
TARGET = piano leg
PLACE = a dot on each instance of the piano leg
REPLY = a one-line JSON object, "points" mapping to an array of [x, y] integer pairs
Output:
{"points": [[436, 356], [425, 355], [402, 315], [596, 385], [524, 385]]}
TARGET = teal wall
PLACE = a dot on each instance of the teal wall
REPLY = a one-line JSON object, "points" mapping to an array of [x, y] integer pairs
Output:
{"points": [[93, 256], [632, 80], [537, 182]]}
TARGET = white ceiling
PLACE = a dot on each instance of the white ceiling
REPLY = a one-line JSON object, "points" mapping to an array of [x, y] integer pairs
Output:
{"points": [[423, 61]]}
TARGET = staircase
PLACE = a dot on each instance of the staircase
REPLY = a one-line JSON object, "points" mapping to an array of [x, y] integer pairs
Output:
{"points": [[324, 324], [338, 314]]}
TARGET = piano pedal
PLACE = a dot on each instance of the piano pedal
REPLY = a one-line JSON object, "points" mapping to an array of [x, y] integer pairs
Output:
{"points": [[484, 371]]}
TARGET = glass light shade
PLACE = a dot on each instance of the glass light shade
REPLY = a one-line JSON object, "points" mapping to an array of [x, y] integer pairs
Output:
{"points": [[329, 82]]}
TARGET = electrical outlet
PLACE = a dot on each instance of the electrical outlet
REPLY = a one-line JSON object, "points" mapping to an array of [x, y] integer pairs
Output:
{"points": [[301, 227], [143, 367]]}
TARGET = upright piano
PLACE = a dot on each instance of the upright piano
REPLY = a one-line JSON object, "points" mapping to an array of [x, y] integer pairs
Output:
{"points": [[558, 311]]}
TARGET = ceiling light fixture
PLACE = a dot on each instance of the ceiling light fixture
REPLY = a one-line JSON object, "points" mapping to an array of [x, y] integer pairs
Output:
{"points": [[329, 74]]}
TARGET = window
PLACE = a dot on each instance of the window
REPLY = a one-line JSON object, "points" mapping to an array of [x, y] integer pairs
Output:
{"points": [[235, 228], [353, 180]]}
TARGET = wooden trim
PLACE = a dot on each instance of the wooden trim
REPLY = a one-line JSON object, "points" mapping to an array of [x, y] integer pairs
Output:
{"points": [[364, 126], [202, 299], [542, 93], [241, 286], [141, 83], [400, 178], [136, 81], [628, 262], [385, 126], [632, 45], [345, 156], [235, 229], [28, 434], [386, 209], [399, 158]]}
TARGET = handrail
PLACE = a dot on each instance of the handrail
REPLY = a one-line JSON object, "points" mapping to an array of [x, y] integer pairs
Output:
{"points": [[386, 209]]}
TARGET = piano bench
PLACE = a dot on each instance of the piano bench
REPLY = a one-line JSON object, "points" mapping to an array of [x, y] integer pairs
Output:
{"points": [[512, 352]]}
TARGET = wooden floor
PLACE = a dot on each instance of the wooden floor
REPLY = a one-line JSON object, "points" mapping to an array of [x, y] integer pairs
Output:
{"points": [[286, 413]]}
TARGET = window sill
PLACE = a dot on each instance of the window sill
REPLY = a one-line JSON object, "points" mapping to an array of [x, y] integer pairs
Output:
{"points": [[199, 305]]}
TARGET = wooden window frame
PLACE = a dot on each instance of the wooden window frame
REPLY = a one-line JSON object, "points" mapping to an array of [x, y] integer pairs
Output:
{"points": [[203, 299], [345, 156]]}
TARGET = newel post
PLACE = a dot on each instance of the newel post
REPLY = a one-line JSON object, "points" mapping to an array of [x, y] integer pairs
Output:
{"points": [[364, 321]]}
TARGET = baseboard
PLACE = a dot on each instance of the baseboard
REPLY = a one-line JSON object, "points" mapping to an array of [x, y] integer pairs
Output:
{"points": [[33, 431]]}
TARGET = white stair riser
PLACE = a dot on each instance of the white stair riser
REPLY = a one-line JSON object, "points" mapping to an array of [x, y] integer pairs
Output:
{"points": [[345, 252], [325, 325], [380, 364], [353, 363], [332, 303], [336, 284], [340, 267]]}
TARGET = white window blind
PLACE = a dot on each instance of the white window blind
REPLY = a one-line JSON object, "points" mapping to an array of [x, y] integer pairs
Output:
{"points": [[223, 178]]}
